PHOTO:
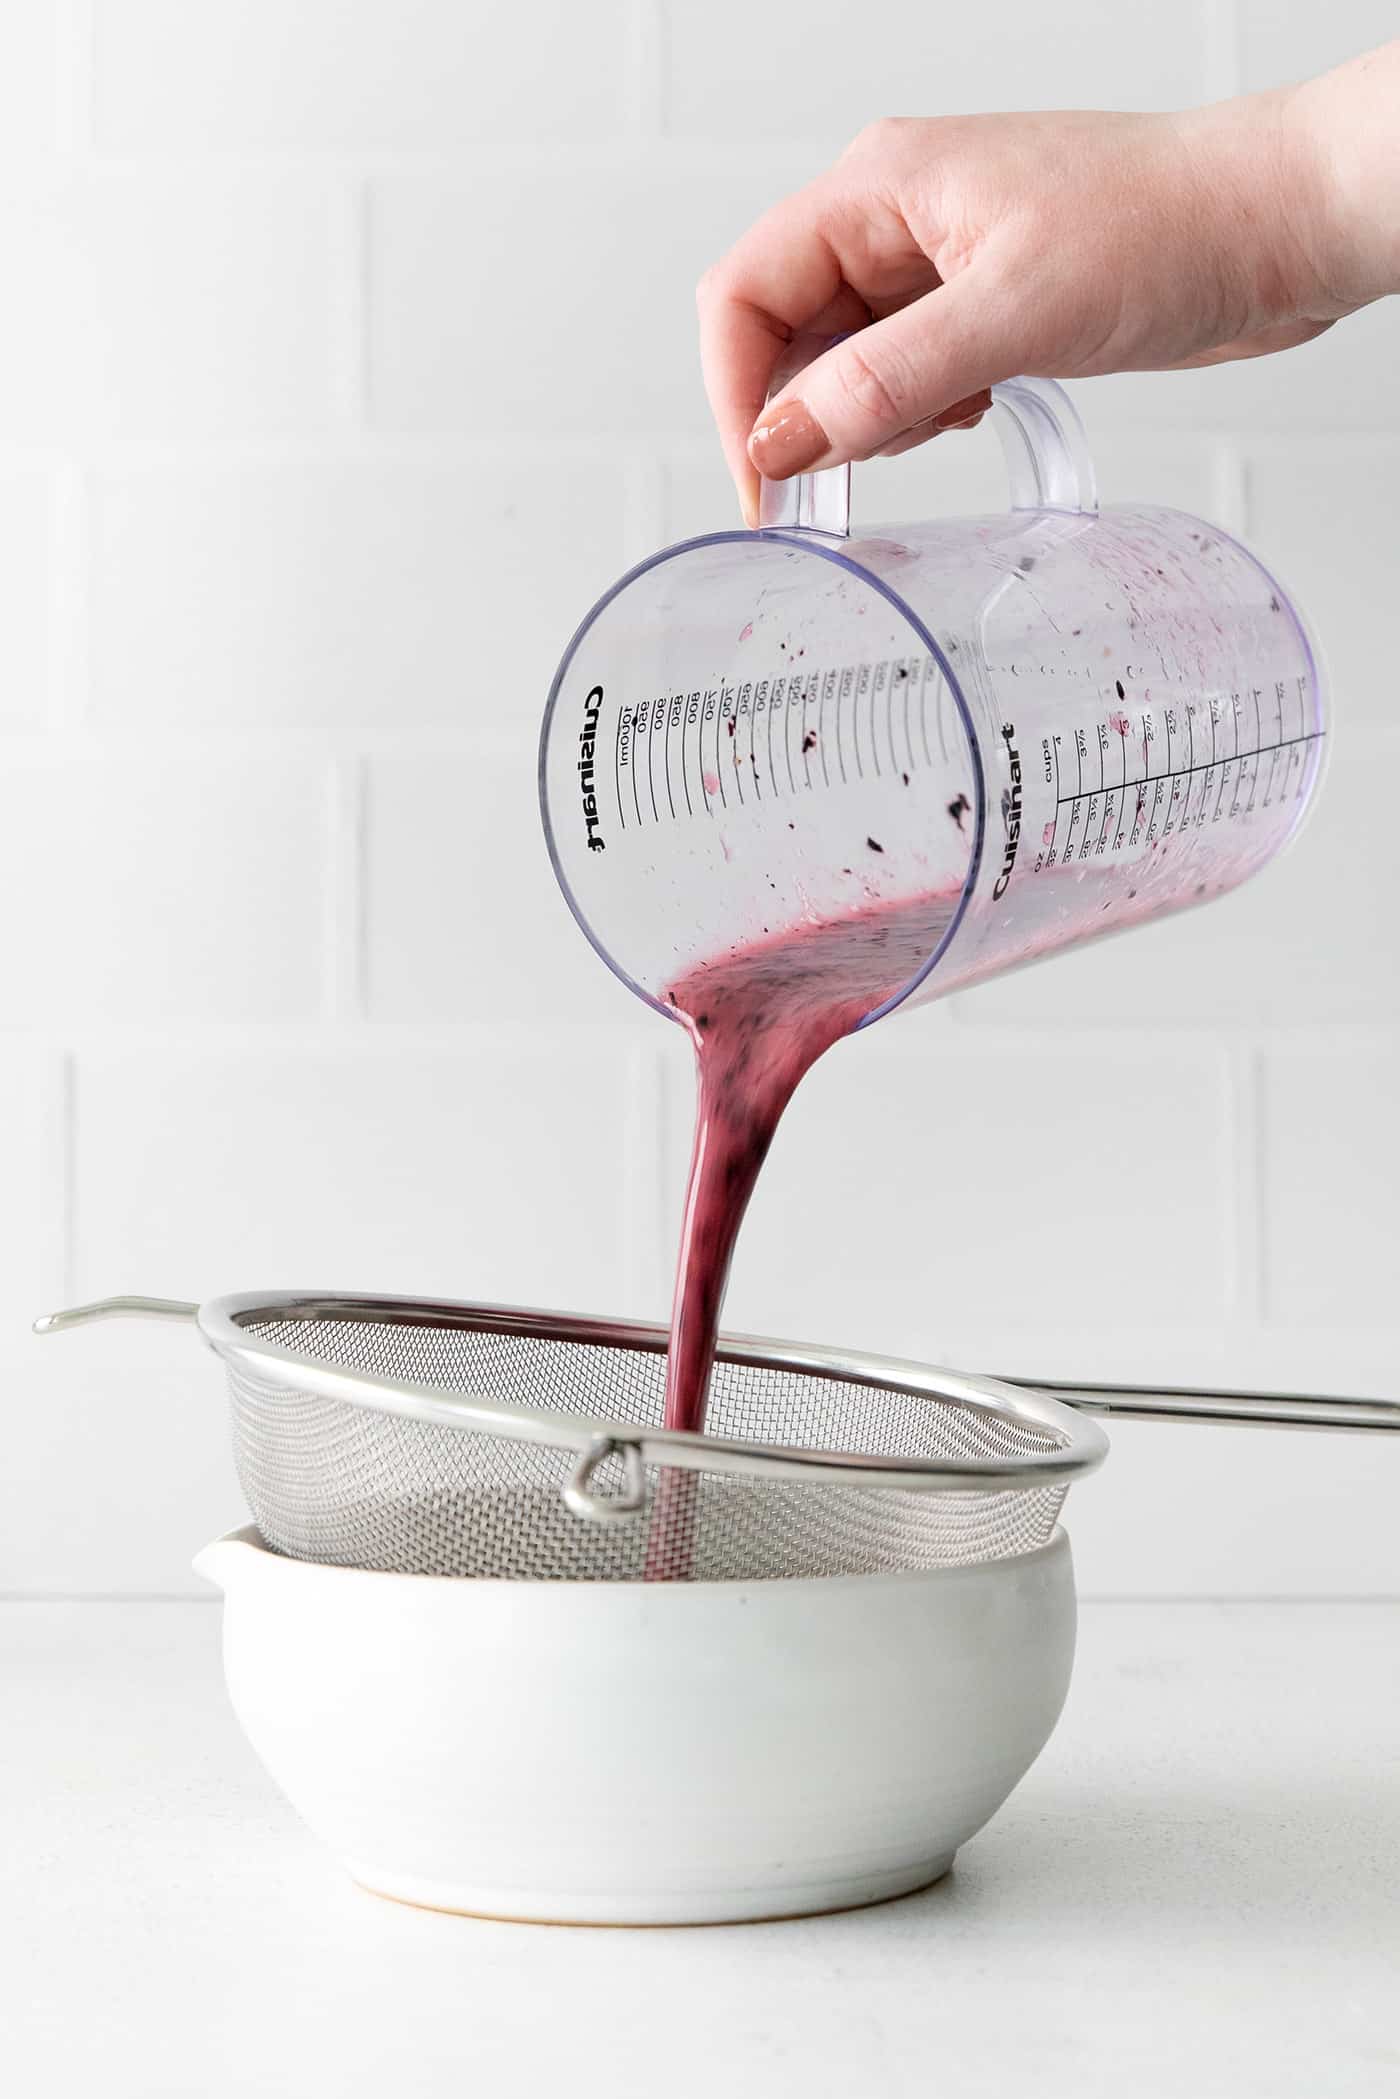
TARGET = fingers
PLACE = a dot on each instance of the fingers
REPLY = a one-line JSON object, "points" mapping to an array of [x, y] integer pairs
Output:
{"points": [[781, 277], [741, 347], [930, 362], [963, 415]]}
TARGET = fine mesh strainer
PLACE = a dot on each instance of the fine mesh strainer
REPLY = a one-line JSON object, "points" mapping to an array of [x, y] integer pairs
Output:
{"points": [[422, 1437], [432, 1438]]}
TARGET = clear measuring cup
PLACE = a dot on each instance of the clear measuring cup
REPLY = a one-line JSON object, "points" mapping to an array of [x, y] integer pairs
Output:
{"points": [[1053, 723]]}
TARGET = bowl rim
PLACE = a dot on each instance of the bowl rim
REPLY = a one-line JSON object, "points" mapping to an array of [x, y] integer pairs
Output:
{"points": [[250, 1538]]}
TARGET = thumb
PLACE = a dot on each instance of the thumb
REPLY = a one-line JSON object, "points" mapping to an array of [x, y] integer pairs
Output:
{"points": [[870, 390]]}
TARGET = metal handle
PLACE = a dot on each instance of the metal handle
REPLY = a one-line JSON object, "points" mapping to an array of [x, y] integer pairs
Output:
{"points": [[607, 1508], [115, 1308], [1125, 1402], [1234, 1409]]}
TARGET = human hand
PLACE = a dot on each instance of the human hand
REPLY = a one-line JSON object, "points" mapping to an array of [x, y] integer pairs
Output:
{"points": [[965, 250]]}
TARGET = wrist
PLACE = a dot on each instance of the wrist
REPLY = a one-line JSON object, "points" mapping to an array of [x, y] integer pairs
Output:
{"points": [[1267, 208], [1347, 123]]}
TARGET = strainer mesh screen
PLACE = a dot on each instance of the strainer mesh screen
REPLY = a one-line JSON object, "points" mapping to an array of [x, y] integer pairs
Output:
{"points": [[343, 1484]]}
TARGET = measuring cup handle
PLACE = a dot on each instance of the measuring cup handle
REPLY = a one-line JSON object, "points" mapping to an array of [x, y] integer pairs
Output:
{"points": [[810, 502], [1046, 450], [1042, 439]]}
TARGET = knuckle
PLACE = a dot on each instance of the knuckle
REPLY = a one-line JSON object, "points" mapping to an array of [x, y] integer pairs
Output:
{"points": [[877, 387], [880, 137], [709, 287]]}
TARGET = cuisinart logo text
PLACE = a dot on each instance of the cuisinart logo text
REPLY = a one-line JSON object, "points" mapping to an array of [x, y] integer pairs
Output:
{"points": [[586, 741], [1010, 809]]}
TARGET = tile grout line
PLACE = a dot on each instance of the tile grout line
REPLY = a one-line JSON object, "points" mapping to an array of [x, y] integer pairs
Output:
{"points": [[57, 1187], [348, 319], [643, 508], [1221, 42], [344, 959], [70, 601], [74, 105], [1246, 1171], [646, 43], [642, 1155], [1230, 486]]}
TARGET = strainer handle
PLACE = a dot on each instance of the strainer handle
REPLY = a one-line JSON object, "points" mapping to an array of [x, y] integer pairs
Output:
{"points": [[1232, 1409], [115, 1308]]}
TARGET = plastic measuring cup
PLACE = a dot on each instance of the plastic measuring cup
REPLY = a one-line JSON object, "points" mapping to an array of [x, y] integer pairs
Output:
{"points": [[1061, 720]]}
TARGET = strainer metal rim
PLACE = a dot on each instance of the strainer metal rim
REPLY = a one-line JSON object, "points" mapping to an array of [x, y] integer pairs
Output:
{"points": [[223, 1323]]}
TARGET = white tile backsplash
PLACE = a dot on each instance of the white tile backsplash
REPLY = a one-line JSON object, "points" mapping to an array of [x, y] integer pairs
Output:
{"points": [[117, 1472], [1331, 1171], [464, 920], [1323, 514], [159, 889], [29, 78], [470, 327], [1279, 41], [469, 1170], [334, 599], [348, 354], [825, 78], [142, 303], [319, 74], [920, 1187], [27, 1080]]}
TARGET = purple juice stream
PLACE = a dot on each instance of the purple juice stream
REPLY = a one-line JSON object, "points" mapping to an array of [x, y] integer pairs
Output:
{"points": [[759, 1019]]}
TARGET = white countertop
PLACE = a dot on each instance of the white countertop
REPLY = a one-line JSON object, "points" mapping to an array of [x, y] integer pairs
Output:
{"points": [[1196, 1892]]}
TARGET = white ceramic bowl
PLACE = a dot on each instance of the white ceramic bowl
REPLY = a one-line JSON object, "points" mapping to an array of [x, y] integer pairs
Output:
{"points": [[667, 1753]]}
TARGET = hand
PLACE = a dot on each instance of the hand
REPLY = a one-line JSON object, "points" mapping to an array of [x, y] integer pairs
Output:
{"points": [[967, 250]]}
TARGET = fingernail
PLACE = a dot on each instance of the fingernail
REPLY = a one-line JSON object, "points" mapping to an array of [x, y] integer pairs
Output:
{"points": [[787, 441]]}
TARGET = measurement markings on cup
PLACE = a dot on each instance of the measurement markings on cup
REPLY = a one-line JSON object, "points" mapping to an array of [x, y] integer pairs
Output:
{"points": [[1098, 820], [798, 732]]}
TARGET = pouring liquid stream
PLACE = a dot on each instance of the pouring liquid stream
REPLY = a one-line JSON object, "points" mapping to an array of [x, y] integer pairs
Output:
{"points": [[759, 1018]]}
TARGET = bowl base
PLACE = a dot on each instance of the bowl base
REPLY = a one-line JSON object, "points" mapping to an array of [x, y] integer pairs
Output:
{"points": [[654, 1911]]}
